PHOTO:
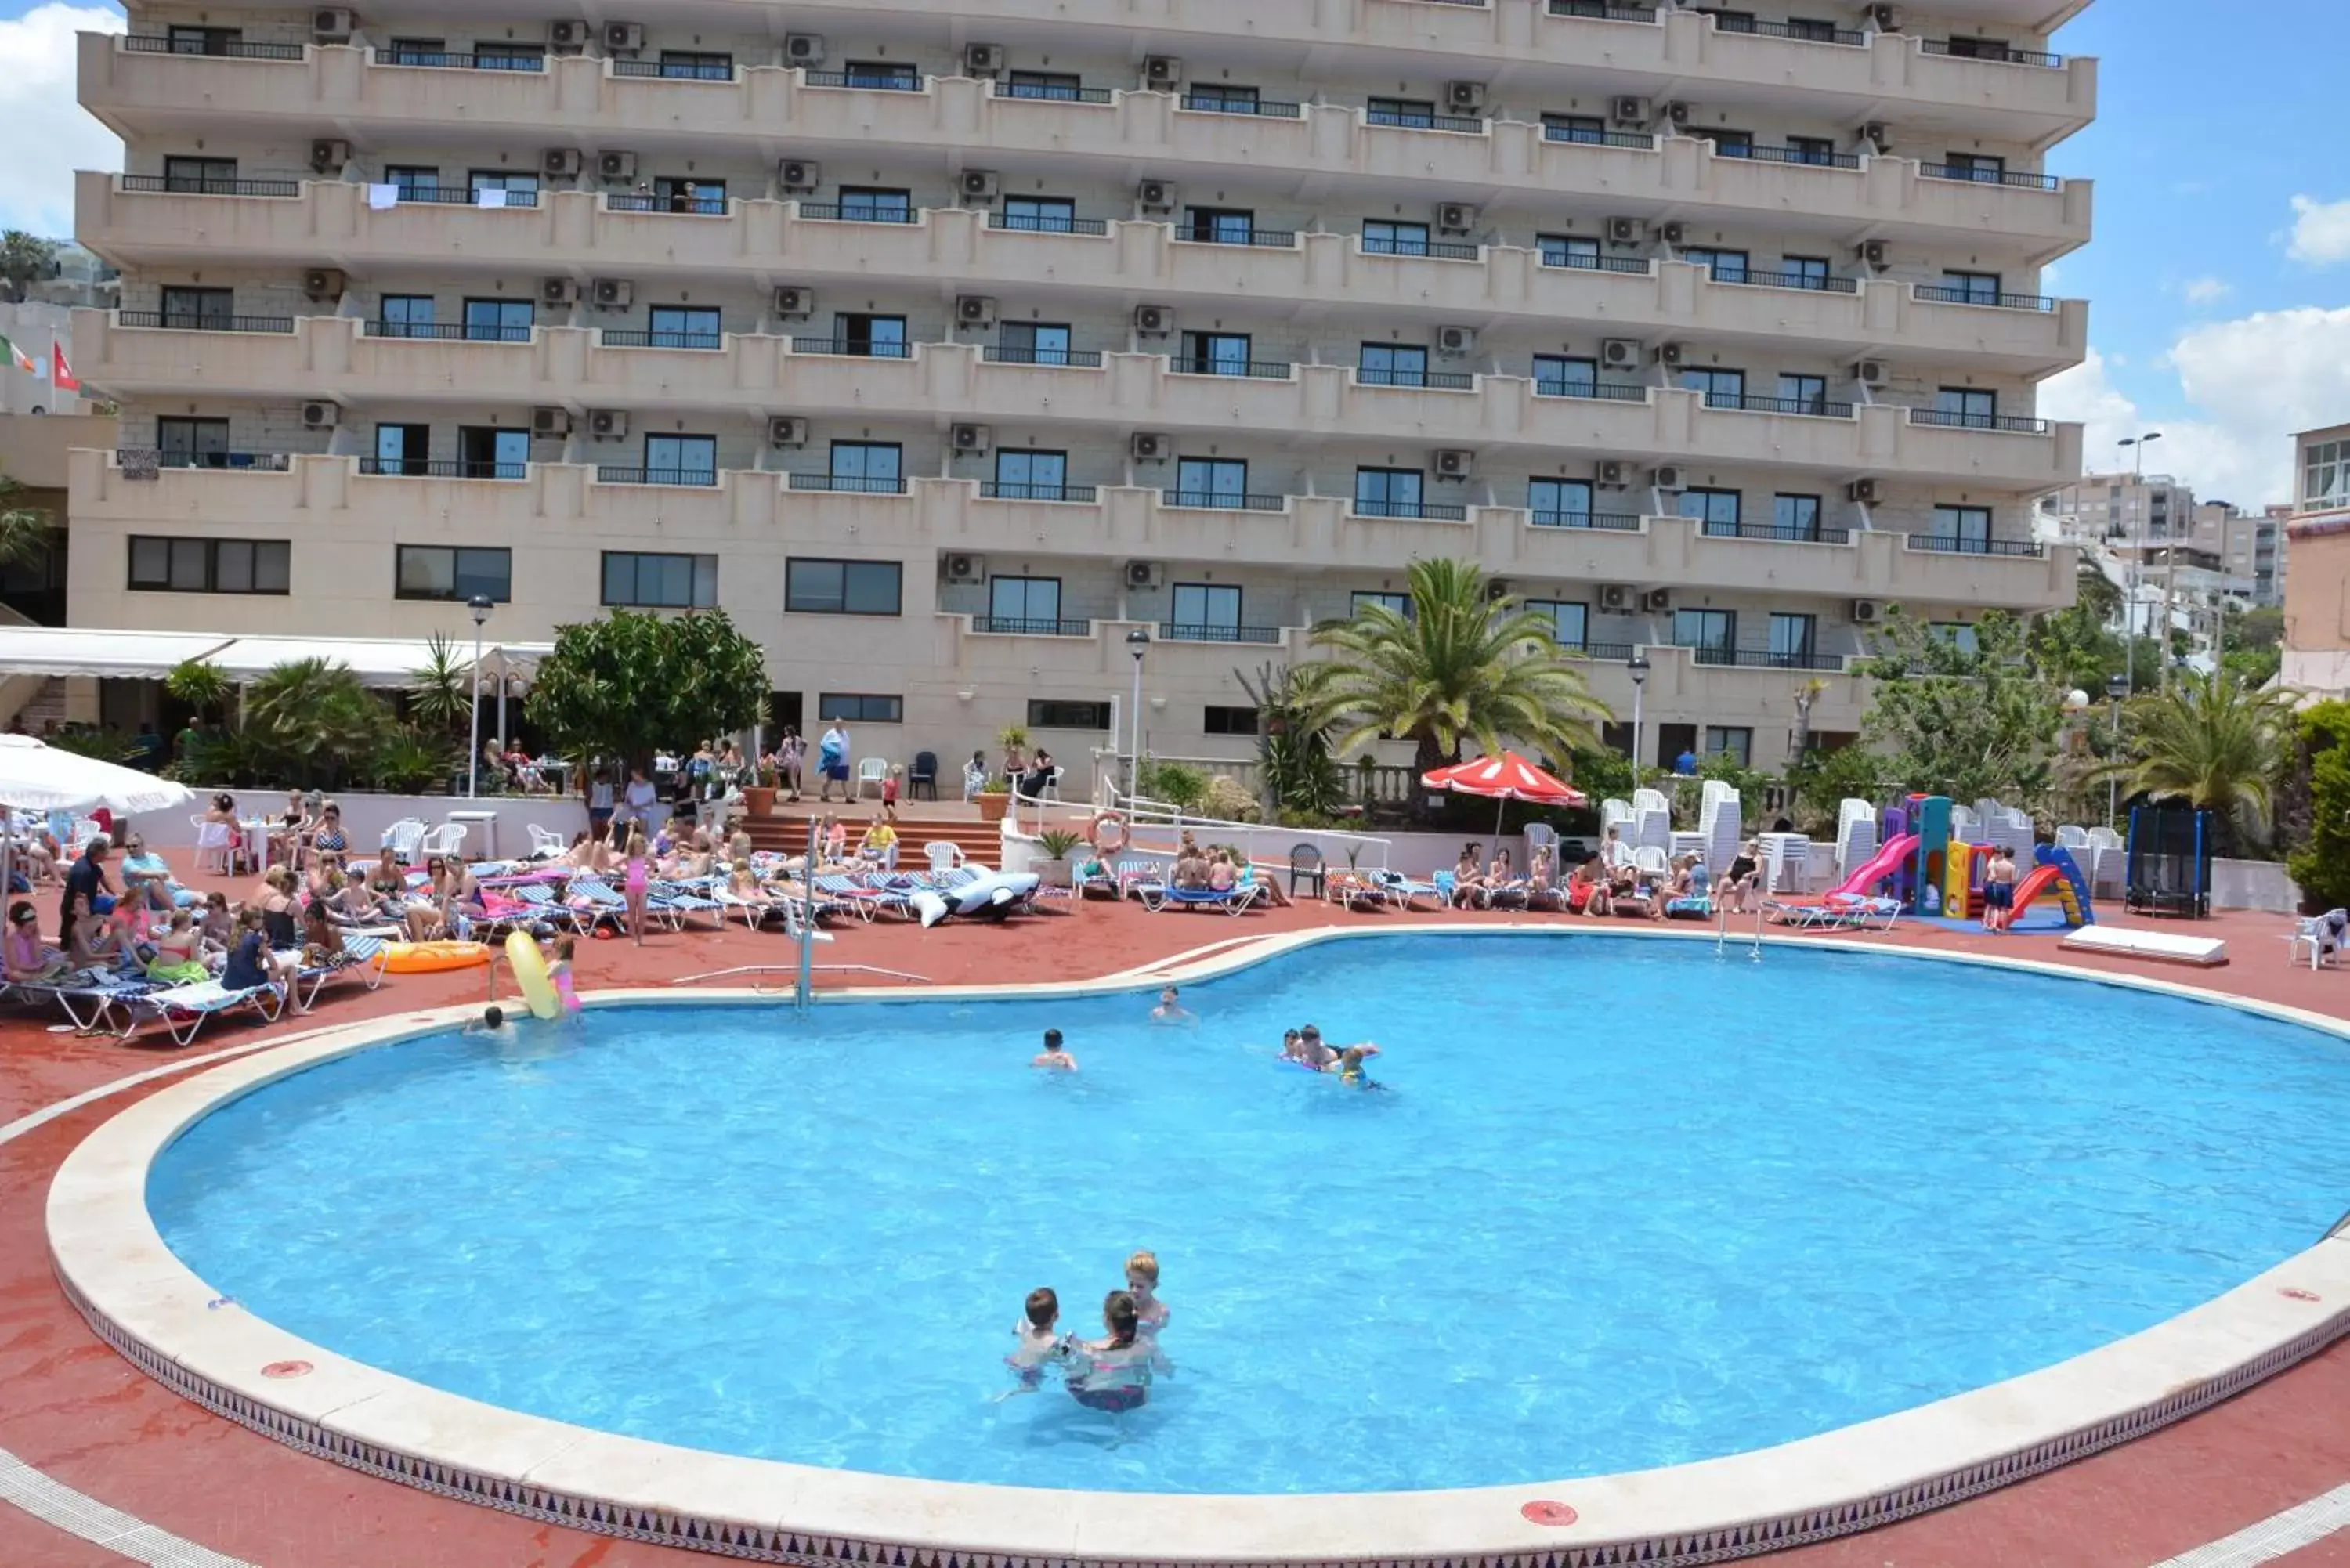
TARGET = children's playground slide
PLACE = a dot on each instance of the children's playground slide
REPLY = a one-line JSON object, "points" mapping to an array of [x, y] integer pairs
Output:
{"points": [[2057, 870], [1884, 864]]}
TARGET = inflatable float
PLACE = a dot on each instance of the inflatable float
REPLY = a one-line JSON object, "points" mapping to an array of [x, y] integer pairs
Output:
{"points": [[990, 896], [431, 958], [530, 974]]}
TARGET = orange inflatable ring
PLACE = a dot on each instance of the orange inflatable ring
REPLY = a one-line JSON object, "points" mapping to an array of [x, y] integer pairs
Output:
{"points": [[430, 958]]}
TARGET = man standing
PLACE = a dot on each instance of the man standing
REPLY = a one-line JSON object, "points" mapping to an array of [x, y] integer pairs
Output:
{"points": [[1998, 891], [832, 760], [86, 878]]}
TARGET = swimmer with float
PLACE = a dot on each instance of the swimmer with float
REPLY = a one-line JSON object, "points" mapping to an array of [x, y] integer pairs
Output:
{"points": [[532, 976]]}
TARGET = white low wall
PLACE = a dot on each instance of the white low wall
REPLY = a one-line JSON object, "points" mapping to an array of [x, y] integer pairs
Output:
{"points": [[2261, 885], [366, 816]]}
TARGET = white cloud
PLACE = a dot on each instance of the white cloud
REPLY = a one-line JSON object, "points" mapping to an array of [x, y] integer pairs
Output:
{"points": [[2321, 231], [2207, 290], [2247, 384], [48, 134]]}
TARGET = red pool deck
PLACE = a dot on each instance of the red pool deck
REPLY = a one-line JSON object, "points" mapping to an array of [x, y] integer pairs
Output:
{"points": [[77, 1411]]}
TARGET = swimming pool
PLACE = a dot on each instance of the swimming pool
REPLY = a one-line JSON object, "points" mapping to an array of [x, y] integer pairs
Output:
{"points": [[1627, 1204]]}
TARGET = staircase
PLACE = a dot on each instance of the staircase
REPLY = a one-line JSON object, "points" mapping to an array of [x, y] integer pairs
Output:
{"points": [[786, 831]]}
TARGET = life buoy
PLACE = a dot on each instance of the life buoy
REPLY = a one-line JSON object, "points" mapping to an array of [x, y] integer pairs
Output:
{"points": [[1109, 832]]}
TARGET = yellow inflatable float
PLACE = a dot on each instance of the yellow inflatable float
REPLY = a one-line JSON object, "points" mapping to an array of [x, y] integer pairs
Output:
{"points": [[530, 973], [429, 958]]}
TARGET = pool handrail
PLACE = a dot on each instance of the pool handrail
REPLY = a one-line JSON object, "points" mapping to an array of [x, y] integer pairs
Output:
{"points": [[1369, 852]]}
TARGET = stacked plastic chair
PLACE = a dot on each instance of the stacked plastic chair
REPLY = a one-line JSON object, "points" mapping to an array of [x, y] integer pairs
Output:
{"points": [[1652, 821], [1719, 820], [1855, 836]]}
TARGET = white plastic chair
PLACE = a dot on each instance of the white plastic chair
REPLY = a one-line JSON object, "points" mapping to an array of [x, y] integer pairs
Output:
{"points": [[943, 855], [542, 842], [449, 838], [1649, 858], [2322, 935], [404, 838], [1052, 790], [216, 845], [874, 771]]}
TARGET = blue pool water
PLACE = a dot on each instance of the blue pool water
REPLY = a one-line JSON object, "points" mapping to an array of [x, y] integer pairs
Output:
{"points": [[1627, 1204]]}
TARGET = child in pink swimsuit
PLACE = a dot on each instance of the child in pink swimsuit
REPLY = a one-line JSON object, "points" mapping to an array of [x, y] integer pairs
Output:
{"points": [[635, 886]]}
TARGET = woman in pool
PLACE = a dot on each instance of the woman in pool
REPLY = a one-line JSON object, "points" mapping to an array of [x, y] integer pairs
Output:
{"points": [[1114, 1373]]}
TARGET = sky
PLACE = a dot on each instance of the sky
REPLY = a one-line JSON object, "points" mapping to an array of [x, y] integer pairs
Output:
{"points": [[2219, 282]]}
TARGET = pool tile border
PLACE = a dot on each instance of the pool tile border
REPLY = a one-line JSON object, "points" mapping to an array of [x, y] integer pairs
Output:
{"points": [[142, 1301]]}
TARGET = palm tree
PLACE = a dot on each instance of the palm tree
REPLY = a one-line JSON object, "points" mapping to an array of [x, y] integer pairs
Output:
{"points": [[24, 259], [314, 717], [2210, 740], [25, 530], [439, 690], [1464, 665]]}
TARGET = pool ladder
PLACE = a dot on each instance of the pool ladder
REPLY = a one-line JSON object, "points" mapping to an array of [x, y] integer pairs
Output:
{"points": [[1755, 953]]}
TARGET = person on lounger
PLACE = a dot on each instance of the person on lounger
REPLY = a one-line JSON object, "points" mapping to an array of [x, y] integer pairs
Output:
{"points": [[1588, 891], [1469, 872], [25, 957]]}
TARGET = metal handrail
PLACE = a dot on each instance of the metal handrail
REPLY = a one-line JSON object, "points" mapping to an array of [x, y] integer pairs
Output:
{"points": [[1412, 510], [1183, 631], [204, 186], [1816, 283], [1605, 392], [1253, 369], [228, 49], [1414, 120], [1947, 295], [1443, 250], [630, 337], [1213, 501], [1264, 108], [1614, 522], [460, 468], [443, 60], [1603, 11], [1050, 92], [1784, 533], [193, 321], [698, 476], [854, 347], [675, 70], [855, 212], [1757, 403], [1004, 490], [883, 81], [1024, 626], [458, 196], [1638, 266], [848, 485], [1970, 174], [1581, 136], [1439, 381], [1798, 32], [679, 206], [1268, 239], [1039, 225], [448, 331], [1757, 153], [1926, 542], [1999, 54], [1054, 359], [1142, 812], [2013, 423]]}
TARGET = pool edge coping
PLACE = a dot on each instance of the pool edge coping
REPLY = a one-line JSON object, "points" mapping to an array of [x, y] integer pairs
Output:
{"points": [[114, 1267]]}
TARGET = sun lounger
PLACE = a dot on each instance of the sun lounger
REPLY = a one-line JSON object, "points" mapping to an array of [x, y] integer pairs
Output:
{"points": [[1401, 889], [683, 900], [1157, 896], [182, 1009], [362, 959], [90, 996]]}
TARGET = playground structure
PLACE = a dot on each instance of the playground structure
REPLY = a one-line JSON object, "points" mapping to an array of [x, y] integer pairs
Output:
{"points": [[1926, 855]]}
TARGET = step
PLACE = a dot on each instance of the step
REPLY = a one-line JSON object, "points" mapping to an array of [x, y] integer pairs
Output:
{"points": [[980, 842]]}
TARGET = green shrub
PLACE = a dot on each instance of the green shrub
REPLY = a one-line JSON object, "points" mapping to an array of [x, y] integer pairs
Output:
{"points": [[2321, 866], [1177, 783], [1229, 800]]}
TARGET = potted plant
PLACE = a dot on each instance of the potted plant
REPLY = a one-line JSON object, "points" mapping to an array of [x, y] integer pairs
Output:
{"points": [[759, 795], [994, 798], [1013, 740], [1054, 845]]}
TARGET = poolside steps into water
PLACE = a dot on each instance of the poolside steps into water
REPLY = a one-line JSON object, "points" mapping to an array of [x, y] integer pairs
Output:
{"points": [[786, 831]]}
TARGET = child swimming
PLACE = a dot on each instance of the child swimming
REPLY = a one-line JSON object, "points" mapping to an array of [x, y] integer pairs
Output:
{"points": [[492, 1023], [1150, 1313], [1350, 1069], [1052, 1057], [1170, 1010], [559, 973], [1116, 1373], [1040, 1346]]}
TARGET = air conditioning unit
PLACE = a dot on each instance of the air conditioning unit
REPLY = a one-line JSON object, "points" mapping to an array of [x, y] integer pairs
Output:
{"points": [[787, 431], [1872, 253], [974, 310], [977, 184], [558, 291], [970, 439], [1455, 217], [1668, 476], [803, 49], [623, 38], [1156, 196], [1150, 446], [328, 155], [617, 166], [1464, 97], [1162, 70], [1861, 492], [963, 568], [1619, 353], [1877, 135], [1657, 601], [794, 303], [608, 424], [1615, 599], [1669, 353], [1867, 612], [1454, 462], [1884, 18], [559, 164], [983, 60], [1144, 574], [1154, 320], [1677, 112], [1869, 372], [549, 423], [320, 416], [1456, 341], [324, 283], [332, 27], [567, 37], [1611, 474], [1626, 230], [1629, 110], [799, 175], [1497, 589], [612, 293], [1673, 235]]}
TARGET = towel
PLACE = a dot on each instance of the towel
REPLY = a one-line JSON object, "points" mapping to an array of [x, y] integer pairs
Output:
{"points": [[490, 197], [381, 197]]}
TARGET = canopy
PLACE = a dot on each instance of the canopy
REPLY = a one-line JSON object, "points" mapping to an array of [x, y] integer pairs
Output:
{"points": [[39, 777], [1505, 776], [153, 655], [377, 661]]}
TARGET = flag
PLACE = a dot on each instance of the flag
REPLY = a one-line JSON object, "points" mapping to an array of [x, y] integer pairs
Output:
{"points": [[18, 357], [61, 371]]}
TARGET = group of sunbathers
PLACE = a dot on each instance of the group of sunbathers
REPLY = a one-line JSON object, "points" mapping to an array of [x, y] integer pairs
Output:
{"points": [[1111, 1374]]}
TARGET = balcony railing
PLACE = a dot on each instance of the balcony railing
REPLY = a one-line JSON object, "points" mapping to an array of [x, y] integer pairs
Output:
{"points": [[1603, 391], [1072, 359], [1816, 283], [1602, 11], [1592, 136], [1413, 120], [1263, 108], [1004, 490], [2014, 425], [443, 59], [1441, 380], [2001, 53], [855, 212], [1941, 295], [846, 484], [1765, 658], [418, 468], [1412, 510], [1602, 652], [449, 331], [204, 186], [1024, 626], [1951, 545], [656, 476], [460, 196], [886, 81], [1755, 403], [1817, 157], [625, 338], [134, 458], [1052, 92], [225, 49], [203, 321], [1036, 223], [1784, 533], [1216, 500], [1261, 370], [1801, 32], [1974, 174], [676, 70], [688, 206], [852, 348], [1269, 239], [1612, 522], [1638, 265], [1443, 250], [1178, 631]]}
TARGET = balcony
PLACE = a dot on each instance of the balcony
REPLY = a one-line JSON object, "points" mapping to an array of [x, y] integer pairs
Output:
{"points": [[1046, 224], [1975, 175], [1617, 521], [204, 321], [226, 48], [188, 185], [1592, 136], [1433, 380], [853, 347], [439, 331], [676, 205], [698, 477], [416, 468], [1986, 49], [1214, 500], [1779, 533], [1945, 545], [848, 484], [1218, 103], [1014, 625], [1049, 92], [2012, 424], [1066, 358], [442, 60], [853, 212], [623, 337], [1250, 369], [676, 70], [1756, 403], [1937, 295], [1177, 631], [1766, 658], [1058, 494], [1411, 510], [219, 462], [1809, 158]]}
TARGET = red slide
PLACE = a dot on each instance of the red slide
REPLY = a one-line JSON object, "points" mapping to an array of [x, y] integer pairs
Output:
{"points": [[2043, 878]]}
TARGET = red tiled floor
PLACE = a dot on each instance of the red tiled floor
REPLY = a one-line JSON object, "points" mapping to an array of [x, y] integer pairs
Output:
{"points": [[78, 1410]]}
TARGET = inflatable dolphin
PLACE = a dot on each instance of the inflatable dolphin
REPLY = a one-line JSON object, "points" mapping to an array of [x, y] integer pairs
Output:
{"points": [[992, 895]]}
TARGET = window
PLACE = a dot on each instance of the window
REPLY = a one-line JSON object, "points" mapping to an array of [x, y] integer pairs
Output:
{"points": [[1567, 250], [2326, 473], [1722, 388], [675, 193], [493, 451], [1399, 603], [1393, 365], [1045, 713], [1031, 475], [1558, 376], [660, 582], [452, 572], [1790, 639], [1388, 492], [1727, 266], [1811, 149], [1811, 31], [1417, 114], [1059, 84], [1218, 225], [1570, 620], [1040, 214], [402, 449], [1717, 509], [1962, 528], [1973, 287], [1215, 354], [203, 40], [1804, 272], [697, 65], [1980, 166], [1731, 143], [1560, 503], [208, 565], [1803, 394], [684, 326], [883, 74], [872, 467], [860, 708], [1030, 604], [876, 204], [506, 57], [192, 443], [680, 459], [1222, 97], [497, 320], [1706, 631], [872, 336], [416, 182], [1583, 128], [1034, 343], [1972, 406], [1957, 634], [480, 180], [405, 316], [418, 51], [199, 175], [1209, 482], [1796, 516], [1227, 720], [1736, 740], [813, 586], [1383, 237], [1206, 610], [198, 308]]}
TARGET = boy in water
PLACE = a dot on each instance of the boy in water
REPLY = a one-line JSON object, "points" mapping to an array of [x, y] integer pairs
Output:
{"points": [[492, 1022], [1350, 1069], [1170, 1010], [1150, 1313], [1039, 1345], [1052, 1057]]}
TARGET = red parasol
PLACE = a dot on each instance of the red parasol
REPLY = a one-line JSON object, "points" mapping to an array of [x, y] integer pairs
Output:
{"points": [[1504, 777]]}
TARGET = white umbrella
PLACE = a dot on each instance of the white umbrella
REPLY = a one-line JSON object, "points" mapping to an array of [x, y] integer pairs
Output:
{"points": [[43, 778]]}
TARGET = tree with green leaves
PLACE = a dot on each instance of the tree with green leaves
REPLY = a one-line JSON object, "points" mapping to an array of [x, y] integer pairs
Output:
{"points": [[2252, 642], [1964, 717], [2210, 741], [635, 681], [26, 530], [313, 721], [1463, 665], [1295, 772], [2321, 866], [24, 259]]}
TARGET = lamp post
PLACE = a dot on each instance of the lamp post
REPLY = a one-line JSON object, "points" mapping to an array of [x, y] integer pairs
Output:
{"points": [[480, 606], [1639, 669], [1138, 643], [2117, 688], [2137, 445]]}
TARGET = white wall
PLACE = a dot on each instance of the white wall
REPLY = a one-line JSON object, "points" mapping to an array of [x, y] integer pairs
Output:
{"points": [[2260, 885], [365, 817]]}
